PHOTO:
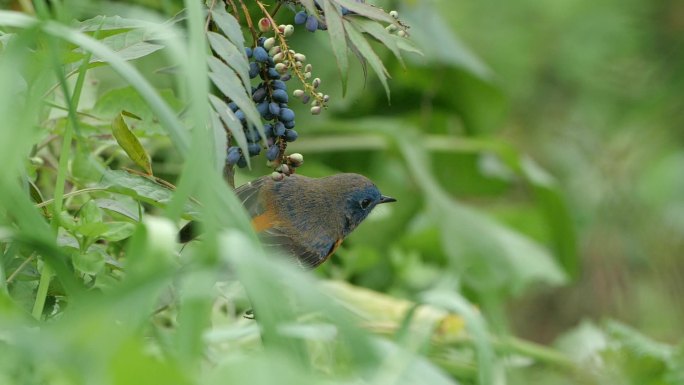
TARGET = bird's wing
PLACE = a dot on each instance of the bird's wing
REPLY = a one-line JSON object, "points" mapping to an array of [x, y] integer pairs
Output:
{"points": [[248, 194], [307, 256]]}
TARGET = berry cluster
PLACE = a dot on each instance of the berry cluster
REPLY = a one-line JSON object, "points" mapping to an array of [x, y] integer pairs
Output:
{"points": [[272, 65], [312, 23]]}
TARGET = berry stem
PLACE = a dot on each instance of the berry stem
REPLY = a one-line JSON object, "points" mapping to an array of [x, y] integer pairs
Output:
{"points": [[255, 37], [285, 49], [235, 10], [208, 22]]}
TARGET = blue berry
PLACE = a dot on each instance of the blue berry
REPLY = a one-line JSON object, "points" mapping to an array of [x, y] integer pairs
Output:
{"points": [[272, 152], [345, 11], [253, 136], [280, 95], [253, 70], [311, 23], [289, 124], [242, 162], [254, 149], [286, 77], [286, 115], [291, 135], [263, 108], [279, 129], [268, 130], [273, 74], [259, 94], [274, 108], [279, 85], [240, 115], [260, 41], [233, 155], [300, 17], [260, 54], [248, 52], [233, 107]]}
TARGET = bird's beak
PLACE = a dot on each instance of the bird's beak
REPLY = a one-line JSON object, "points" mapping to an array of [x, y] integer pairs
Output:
{"points": [[386, 199]]}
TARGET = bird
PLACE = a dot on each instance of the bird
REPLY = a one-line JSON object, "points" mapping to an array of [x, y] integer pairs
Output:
{"points": [[305, 218]]}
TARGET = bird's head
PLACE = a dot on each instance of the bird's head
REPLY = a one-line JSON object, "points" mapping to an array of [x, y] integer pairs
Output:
{"points": [[360, 198]]}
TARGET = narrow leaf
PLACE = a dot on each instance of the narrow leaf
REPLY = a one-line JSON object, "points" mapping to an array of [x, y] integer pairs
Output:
{"points": [[234, 57], [365, 50], [379, 33], [310, 7], [228, 25], [228, 83], [338, 40], [130, 143], [129, 45], [141, 189], [228, 118], [367, 10]]}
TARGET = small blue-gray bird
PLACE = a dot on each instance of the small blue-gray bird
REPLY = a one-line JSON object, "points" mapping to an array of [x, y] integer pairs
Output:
{"points": [[307, 218]]}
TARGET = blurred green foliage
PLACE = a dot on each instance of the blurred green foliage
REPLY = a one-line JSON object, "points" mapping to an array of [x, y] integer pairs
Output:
{"points": [[535, 150]]}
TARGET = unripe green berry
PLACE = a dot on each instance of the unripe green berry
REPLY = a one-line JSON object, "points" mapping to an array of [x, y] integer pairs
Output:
{"points": [[283, 168], [308, 68], [394, 14], [296, 159], [300, 57], [289, 30], [316, 82], [391, 28], [401, 33], [281, 68], [298, 93], [274, 50], [269, 43], [276, 176], [315, 110]]}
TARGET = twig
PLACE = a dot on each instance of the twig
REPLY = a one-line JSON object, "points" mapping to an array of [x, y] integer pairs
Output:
{"points": [[20, 268], [235, 11], [206, 24], [249, 22]]}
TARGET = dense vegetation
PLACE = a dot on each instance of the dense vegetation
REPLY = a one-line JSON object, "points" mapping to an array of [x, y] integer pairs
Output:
{"points": [[539, 178]]}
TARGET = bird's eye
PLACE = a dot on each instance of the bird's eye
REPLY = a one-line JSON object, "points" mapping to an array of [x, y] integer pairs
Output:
{"points": [[365, 203]]}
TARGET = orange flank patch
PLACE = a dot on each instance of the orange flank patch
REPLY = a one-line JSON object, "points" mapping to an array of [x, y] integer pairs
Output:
{"points": [[262, 222], [334, 248]]}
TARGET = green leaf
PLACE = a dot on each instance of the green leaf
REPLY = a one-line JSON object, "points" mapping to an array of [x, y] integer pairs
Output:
{"points": [[106, 23], [131, 144], [118, 207], [90, 213], [142, 189], [365, 50], [381, 34], [232, 55], [310, 7], [129, 45], [228, 118], [91, 262], [367, 10], [228, 83], [228, 25], [127, 99], [117, 231], [91, 229], [338, 40]]}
